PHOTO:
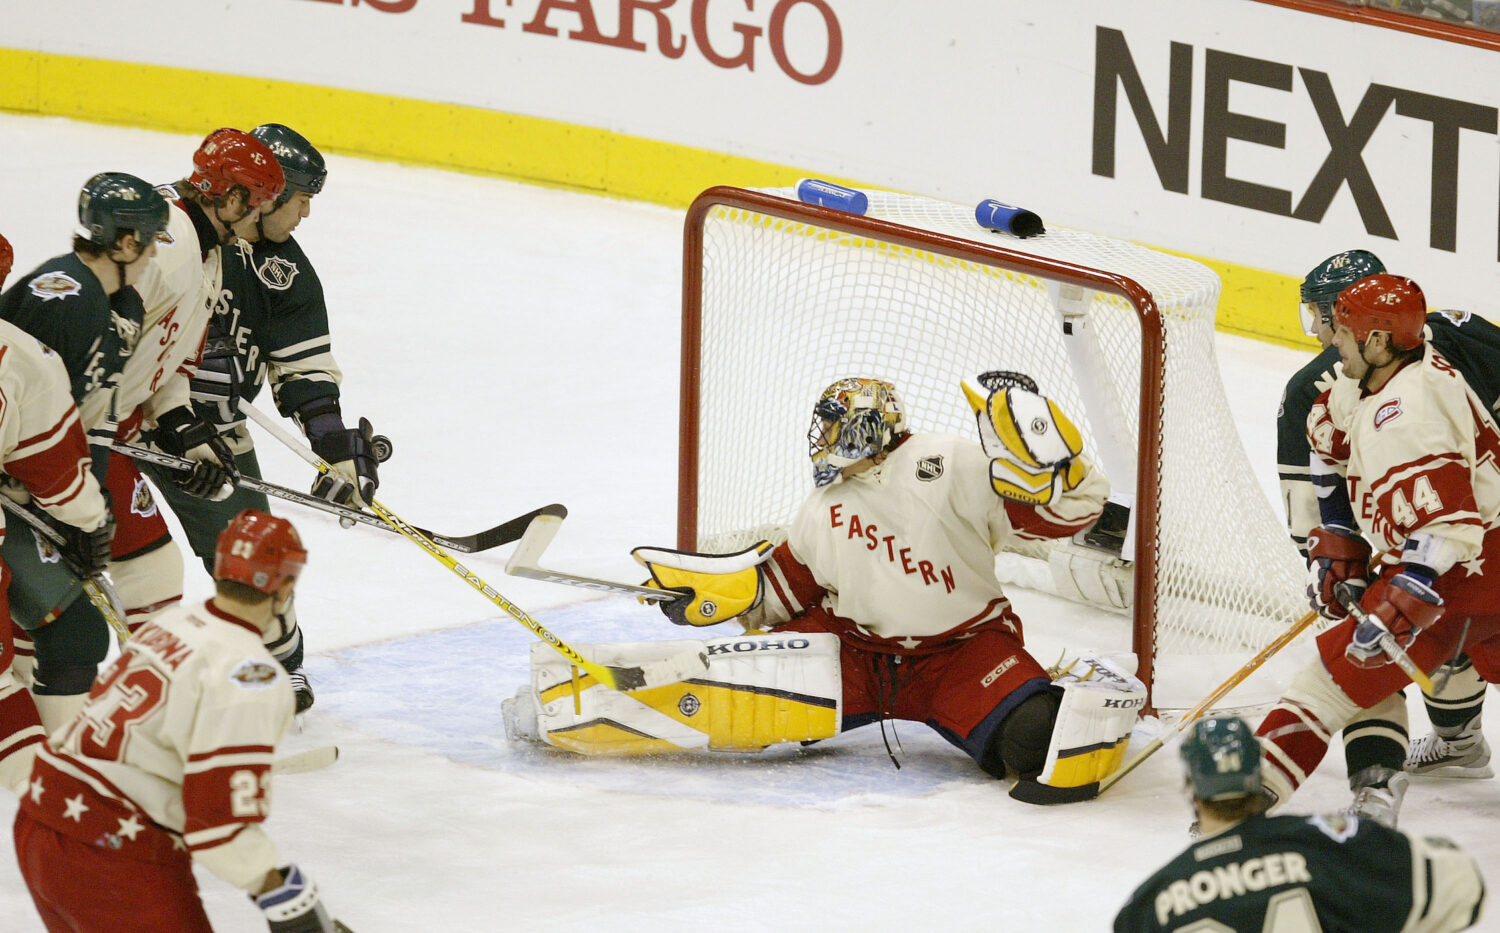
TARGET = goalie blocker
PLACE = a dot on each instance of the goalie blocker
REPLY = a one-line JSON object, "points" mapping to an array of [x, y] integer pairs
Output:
{"points": [[765, 689]]}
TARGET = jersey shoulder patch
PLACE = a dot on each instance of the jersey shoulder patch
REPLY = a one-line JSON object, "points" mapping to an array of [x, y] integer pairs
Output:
{"points": [[930, 468], [1387, 412], [254, 675], [50, 285], [277, 272]]}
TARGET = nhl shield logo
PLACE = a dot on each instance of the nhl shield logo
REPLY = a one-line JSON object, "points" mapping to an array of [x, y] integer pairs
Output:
{"points": [[930, 468], [277, 273]]}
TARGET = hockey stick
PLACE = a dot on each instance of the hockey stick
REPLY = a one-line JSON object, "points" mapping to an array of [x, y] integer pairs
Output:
{"points": [[97, 588], [667, 671], [312, 759], [544, 527], [1204, 705], [503, 533]]}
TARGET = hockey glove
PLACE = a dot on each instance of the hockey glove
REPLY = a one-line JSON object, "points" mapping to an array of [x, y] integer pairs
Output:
{"points": [[181, 433], [1034, 447], [1335, 554], [294, 906], [351, 454], [220, 379], [1403, 607], [86, 552], [715, 587]]}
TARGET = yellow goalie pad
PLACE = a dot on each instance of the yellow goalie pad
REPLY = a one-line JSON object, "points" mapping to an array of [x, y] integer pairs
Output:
{"points": [[1100, 705], [759, 690]]}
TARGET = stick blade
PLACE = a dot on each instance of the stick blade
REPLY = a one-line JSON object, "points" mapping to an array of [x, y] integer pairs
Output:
{"points": [[313, 759], [1047, 795]]}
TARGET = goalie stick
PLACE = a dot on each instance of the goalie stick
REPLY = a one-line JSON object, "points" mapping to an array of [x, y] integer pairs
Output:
{"points": [[658, 673], [503, 533], [1205, 704], [544, 527], [97, 588]]}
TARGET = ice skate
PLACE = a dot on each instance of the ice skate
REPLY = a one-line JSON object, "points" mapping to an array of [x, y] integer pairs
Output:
{"points": [[301, 690], [1377, 794], [1464, 755]]}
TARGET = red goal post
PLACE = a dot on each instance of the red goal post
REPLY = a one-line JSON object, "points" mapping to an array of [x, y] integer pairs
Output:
{"points": [[781, 297]]}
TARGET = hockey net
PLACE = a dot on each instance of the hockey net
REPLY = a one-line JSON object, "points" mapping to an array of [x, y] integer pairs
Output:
{"points": [[781, 298]]}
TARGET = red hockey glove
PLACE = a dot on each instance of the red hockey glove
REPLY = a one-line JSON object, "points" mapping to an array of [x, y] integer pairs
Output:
{"points": [[1335, 554], [1403, 606]]}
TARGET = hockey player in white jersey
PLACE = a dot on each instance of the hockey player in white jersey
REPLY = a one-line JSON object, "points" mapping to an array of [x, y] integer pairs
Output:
{"points": [[169, 764], [43, 449], [1405, 455], [887, 580]]}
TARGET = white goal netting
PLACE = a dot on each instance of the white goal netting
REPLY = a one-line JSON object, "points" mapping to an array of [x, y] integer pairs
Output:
{"points": [[779, 303]]}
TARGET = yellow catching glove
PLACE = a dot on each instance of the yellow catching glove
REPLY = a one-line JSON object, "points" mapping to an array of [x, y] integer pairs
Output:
{"points": [[715, 587], [1032, 444]]}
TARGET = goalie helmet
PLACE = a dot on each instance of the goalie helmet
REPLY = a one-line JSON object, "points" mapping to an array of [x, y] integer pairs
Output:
{"points": [[300, 160], [1391, 303], [228, 157], [1321, 286], [259, 550], [853, 419], [1222, 759], [112, 203]]}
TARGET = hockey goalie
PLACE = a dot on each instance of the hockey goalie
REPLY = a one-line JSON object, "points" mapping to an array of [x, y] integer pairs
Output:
{"points": [[881, 604]]}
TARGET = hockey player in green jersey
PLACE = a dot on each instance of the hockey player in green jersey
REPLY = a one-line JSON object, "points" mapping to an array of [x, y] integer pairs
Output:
{"points": [[1335, 873], [270, 324], [1456, 747]]}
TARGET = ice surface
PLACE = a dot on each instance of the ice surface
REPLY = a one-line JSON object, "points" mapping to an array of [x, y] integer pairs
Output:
{"points": [[519, 346]]}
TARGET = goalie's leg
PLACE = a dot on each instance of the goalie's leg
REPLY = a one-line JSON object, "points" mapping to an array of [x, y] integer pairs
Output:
{"points": [[759, 690]]}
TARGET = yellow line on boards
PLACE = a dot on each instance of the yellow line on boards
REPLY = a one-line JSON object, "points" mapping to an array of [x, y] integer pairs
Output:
{"points": [[1254, 303]]}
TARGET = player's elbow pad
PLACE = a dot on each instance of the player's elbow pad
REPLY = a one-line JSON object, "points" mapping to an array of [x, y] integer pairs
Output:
{"points": [[715, 587]]}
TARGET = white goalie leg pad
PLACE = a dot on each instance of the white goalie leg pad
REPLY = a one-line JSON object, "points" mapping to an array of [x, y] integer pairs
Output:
{"points": [[1101, 702], [759, 690], [1088, 575]]}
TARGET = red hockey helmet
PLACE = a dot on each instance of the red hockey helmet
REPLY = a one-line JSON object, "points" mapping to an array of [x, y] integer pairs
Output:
{"points": [[7, 258], [1392, 303], [228, 157], [259, 550]]}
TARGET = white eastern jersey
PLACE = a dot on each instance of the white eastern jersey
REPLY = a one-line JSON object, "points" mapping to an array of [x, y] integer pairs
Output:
{"points": [[40, 432], [174, 748], [1419, 455], [906, 549], [177, 288]]}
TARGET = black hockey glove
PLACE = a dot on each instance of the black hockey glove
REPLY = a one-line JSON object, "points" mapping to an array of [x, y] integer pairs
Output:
{"points": [[351, 453], [181, 433], [220, 380], [294, 905], [85, 552]]}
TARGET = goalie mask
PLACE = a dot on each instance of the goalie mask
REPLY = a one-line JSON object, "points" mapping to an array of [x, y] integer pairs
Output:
{"points": [[852, 420]]}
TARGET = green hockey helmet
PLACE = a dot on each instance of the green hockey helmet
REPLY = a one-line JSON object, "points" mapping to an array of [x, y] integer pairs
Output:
{"points": [[1222, 759], [1321, 286], [111, 203], [300, 160]]}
